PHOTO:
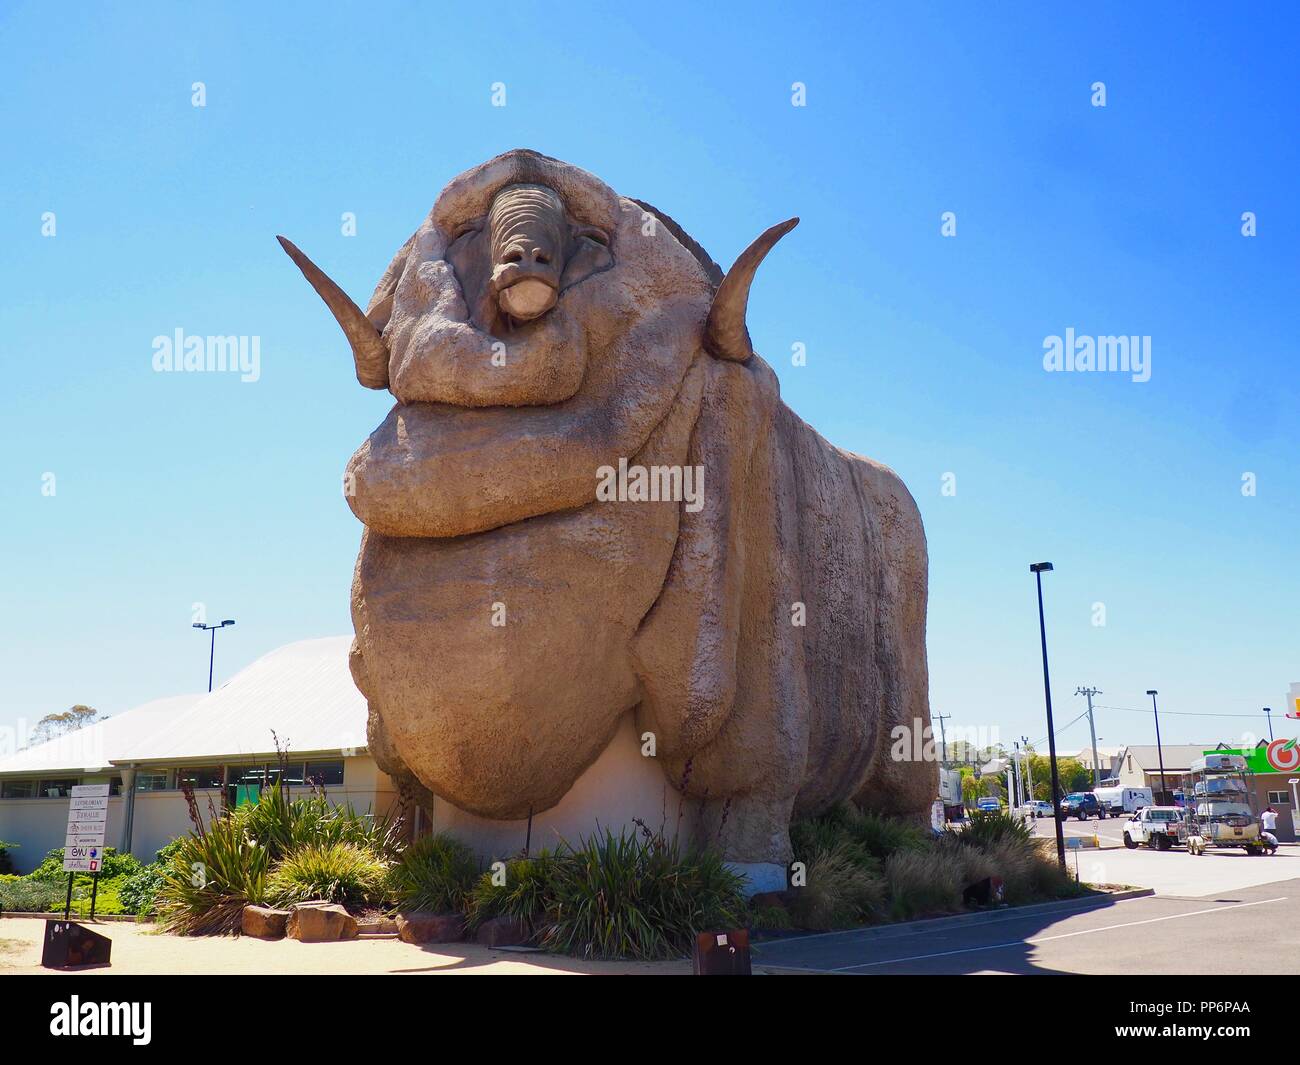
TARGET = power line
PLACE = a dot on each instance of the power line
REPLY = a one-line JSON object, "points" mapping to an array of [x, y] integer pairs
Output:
{"points": [[1176, 713]]}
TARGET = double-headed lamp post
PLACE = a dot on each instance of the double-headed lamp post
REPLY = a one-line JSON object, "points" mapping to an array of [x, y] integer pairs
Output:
{"points": [[212, 652], [1160, 754], [1038, 569]]}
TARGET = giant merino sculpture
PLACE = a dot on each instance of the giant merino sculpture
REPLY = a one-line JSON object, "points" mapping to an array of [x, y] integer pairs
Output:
{"points": [[538, 332]]}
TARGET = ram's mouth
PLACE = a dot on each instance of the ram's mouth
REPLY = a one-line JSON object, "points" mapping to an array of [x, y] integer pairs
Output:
{"points": [[527, 298]]}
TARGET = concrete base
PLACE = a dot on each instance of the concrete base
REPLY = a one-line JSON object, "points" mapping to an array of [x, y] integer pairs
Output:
{"points": [[618, 789], [760, 876]]}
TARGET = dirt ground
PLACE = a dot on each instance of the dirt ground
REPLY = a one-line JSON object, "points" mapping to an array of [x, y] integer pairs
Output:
{"points": [[140, 949]]}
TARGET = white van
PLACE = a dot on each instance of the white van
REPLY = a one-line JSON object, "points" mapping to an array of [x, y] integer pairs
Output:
{"points": [[1124, 800]]}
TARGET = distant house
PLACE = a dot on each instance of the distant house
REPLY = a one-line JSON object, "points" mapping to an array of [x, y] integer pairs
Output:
{"points": [[217, 742], [1109, 757], [1139, 767]]}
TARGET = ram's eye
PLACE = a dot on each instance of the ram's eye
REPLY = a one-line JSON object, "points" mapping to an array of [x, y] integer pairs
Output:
{"points": [[599, 236]]}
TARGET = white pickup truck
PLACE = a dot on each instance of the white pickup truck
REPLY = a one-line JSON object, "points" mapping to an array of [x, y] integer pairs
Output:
{"points": [[1160, 827]]}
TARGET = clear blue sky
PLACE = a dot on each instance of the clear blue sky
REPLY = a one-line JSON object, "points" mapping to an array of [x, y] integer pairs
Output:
{"points": [[924, 352]]}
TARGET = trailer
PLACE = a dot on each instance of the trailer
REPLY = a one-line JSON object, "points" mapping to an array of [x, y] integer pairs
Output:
{"points": [[1124, 800], [1219, 810]]}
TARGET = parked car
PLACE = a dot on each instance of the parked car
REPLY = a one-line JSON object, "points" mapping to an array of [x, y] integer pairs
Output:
{"points": [[1040, 808], [989, 805], [1160, 827], [1083, 805]]}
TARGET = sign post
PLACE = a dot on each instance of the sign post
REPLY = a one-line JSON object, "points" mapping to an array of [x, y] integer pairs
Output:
{"points": [[68, 945], [83, 843]]}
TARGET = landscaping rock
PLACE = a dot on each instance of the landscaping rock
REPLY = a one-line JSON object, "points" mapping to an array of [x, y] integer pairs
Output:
{"points": [[770, 898], [376, 926], [264, 922], [421, 927], [503, 932], [320, 922]]}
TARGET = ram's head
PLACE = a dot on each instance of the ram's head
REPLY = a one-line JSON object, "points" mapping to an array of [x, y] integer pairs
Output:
{"points": [[492, 269]]}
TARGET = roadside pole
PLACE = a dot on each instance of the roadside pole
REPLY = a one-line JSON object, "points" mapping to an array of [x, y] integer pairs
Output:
{"points": [[1092, 729]]}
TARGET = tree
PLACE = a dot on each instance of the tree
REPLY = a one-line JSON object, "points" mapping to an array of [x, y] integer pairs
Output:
{"points": [[1072, 774], [52, 725]]}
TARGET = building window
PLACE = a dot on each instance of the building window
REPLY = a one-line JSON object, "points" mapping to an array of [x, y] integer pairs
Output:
{"points": [[57, 789], [152, 780], [325, 774], [199, 777], [1279, 798], [17, 789], [292, 776], [245, 783]]}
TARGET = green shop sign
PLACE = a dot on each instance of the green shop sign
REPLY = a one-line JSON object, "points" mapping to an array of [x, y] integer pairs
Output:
{"points": [[1280, 756]]}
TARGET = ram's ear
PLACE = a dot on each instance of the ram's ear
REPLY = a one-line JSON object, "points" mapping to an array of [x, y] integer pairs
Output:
{"points": [[380, 308], [588, 254]]}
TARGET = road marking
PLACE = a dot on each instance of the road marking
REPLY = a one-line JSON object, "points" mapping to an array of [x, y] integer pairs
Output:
{"points": [[1100, 903], [1048, 939]]}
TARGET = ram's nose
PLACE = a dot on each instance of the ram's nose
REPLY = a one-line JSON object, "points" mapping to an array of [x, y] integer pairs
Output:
{"points": [[526, 282], [527, 299]]}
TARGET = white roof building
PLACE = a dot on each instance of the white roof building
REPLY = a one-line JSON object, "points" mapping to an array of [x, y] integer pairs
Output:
{"points": [[300, 695]]}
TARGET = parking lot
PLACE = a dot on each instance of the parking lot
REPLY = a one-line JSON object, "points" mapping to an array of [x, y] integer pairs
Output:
{"points": [[1109, 831], [1249, 907]]}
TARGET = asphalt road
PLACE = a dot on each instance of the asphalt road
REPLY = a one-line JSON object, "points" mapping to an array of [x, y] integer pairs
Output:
{"points": [[1108, 830], [1229, 931]]}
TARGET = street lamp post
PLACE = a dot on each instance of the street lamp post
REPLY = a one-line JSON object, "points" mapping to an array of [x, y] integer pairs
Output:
{"points": [[1038, 569], [1160, 754], [212, 652], [1268, 716]]}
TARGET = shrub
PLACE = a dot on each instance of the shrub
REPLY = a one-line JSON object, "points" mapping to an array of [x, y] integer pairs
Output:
{"points": [[841, 889], [25, 895], [923, 882], [6, 859], [770, 919], [638, 896], [209, 878], [435, 873], [336, 872], [284, 825], [524, 895], [107, 897], [987, 830], [139, 890], [882, 837], [829, 832]]}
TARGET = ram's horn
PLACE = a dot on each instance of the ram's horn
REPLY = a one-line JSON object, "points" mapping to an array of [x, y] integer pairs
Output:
{"points": [[368, 347], [725, 334]]}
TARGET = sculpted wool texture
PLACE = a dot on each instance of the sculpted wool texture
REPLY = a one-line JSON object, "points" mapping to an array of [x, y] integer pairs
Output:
{"points": [[536, 329]]}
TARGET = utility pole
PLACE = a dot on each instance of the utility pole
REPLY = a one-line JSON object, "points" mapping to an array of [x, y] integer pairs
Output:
{"points": [[1029, 767], [1038, 569], [1160, 754], [1096, 765], [943, 743]]}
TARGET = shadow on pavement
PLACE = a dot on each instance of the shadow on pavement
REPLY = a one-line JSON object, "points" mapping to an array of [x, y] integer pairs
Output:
{"points": [[955, 946]]}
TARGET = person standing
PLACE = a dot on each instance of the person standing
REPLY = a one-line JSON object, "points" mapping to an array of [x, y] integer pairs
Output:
{"points": [[1268, 820]]}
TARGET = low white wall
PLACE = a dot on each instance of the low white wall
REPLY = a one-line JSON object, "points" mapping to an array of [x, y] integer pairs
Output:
{"points": [[620, 785], [39, 825]]}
